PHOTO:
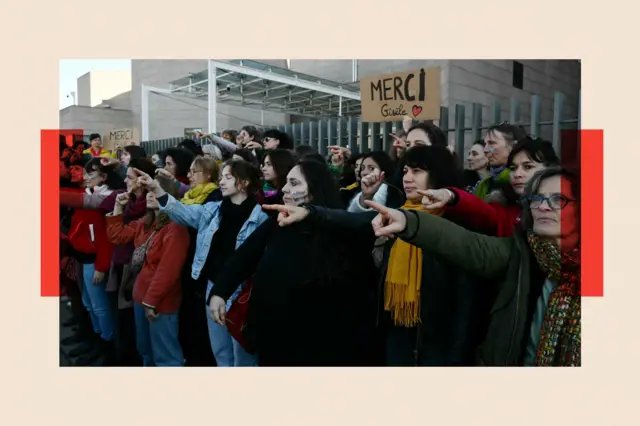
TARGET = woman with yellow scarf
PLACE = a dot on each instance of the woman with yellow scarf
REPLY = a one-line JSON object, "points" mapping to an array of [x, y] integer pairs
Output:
{"points": [[425, 304], [194, 333]]}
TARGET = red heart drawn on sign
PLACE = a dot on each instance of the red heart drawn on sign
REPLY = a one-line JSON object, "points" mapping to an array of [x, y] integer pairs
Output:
{"points": [[416, 110]]}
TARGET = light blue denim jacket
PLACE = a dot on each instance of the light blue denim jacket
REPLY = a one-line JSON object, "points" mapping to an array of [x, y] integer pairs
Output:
{"points": [[206, 219]]}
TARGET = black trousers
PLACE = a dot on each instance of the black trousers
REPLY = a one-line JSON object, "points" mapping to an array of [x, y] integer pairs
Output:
{"points": [[126, 351], [194, 332]]}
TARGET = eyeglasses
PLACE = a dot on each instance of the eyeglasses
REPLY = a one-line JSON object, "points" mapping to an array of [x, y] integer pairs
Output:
{"points": [[556, 201]]}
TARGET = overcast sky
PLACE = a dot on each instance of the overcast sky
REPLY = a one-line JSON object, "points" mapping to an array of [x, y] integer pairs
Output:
{"points": [[71, 69]]}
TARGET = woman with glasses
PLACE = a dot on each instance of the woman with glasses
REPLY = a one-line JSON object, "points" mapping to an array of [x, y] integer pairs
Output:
{"points": [[499, 216], [535, 320]]}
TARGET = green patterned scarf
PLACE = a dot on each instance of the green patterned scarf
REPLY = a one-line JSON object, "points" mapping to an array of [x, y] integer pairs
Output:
{"points": [[560, 340]]}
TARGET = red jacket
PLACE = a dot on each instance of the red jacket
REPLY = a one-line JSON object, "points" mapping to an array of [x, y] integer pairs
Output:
{"points": [[158, 284], [491, 218], [83, 222]]}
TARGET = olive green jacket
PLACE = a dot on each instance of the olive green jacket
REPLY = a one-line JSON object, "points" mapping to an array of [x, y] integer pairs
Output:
{"points": [[507, 260]]}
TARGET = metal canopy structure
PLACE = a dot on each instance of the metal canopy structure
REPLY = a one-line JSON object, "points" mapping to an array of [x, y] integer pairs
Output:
{"points": [[261, 86]]}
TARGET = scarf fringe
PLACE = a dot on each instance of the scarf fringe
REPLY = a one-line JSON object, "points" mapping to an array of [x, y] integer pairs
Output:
{"points": [[404, 279], [404, 313]]}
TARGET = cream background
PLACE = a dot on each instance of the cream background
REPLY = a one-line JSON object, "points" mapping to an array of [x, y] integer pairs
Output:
{"points": [[36, 36]]}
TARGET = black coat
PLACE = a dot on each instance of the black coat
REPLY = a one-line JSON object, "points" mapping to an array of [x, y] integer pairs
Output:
{"points": [[449, 309], [308, 304]]}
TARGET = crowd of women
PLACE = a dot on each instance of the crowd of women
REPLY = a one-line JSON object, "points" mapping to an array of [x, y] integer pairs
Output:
{"points": [[241, 250]]}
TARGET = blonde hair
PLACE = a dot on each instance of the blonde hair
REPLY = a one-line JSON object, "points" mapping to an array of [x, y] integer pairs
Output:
{"points": [[208, 166]]}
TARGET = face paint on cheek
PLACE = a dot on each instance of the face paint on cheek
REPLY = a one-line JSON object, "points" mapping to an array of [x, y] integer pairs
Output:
{"points": [[299, 197]]}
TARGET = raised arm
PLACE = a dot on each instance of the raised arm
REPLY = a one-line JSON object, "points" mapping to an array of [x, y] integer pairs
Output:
{"points": [[222, 143], [118, 233], [479, 254], [342, 220], [188, 215], [471, 211], [180, 213]]}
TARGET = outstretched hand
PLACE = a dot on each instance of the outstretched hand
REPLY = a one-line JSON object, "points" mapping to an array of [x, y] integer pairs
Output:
{"points": [[388, 222], [434, 199], [288, 215]]}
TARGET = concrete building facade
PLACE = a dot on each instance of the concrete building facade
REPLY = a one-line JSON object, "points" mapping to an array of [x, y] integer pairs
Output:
{"points": [[468, 81], [462, 82], [168, 117], [96, 86]]}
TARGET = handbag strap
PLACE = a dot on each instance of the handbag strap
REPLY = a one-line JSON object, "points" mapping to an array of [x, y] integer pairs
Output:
{"points": [[147, 242]]}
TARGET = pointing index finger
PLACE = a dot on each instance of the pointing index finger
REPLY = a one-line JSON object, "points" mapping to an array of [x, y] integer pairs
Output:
{"points": [[377, 206], [277, 207]]}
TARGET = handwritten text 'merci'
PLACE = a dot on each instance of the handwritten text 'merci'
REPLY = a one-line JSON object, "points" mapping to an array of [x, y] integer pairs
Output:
{"points": [[397, 88]]}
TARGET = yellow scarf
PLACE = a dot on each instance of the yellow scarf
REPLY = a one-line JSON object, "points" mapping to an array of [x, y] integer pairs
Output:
{"points": [[350, 187], [199, 193], [404, 277]]}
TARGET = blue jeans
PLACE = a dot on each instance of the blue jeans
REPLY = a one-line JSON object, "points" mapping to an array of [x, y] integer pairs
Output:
{"points": [[96, 300], [157, 341], [227, 351]]}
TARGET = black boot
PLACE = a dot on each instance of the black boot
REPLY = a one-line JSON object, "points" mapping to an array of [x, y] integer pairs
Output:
{"points": [[93, 358], [73, 340], [108, 350], [70, 322]]}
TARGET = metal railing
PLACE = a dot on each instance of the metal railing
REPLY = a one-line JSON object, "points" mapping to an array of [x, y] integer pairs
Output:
{"points": [[347, 131]]}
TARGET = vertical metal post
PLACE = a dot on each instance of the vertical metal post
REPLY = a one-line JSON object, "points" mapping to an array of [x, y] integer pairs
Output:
{"points": [[375, 137], [322, 137], [295, 136], [364, 137], [340, 107], [304, 133], [354, 70], [313, 134], [459, 132], [213, 96], [145, 113], [342, 131], [443, 123], [558, 106], [353, 133], [514, 112], [386, 139], [476, 121], [496, 113], [262, 117], [535, 116], [331, 132]]}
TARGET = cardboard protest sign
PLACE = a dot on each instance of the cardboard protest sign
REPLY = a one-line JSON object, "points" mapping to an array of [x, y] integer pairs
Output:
{"points": [[120, 138], [389, 97]]}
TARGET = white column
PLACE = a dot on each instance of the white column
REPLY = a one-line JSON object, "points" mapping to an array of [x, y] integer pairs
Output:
{"points": [[145, 113], [213, 97]]}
